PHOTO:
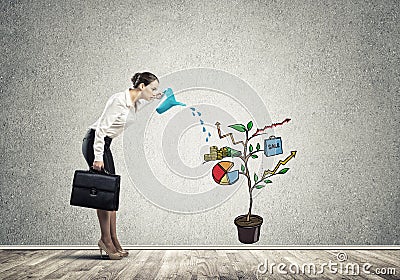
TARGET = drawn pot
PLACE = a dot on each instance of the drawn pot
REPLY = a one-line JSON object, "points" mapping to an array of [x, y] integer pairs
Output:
{"points": [[248, 231]]}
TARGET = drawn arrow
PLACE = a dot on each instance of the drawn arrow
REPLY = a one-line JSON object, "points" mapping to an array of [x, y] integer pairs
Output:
{"points": [[259, 130], [226, 135], [281, 162]]}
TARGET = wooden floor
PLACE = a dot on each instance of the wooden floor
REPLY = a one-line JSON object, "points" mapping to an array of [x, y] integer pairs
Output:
{"points": [[195, 264]]}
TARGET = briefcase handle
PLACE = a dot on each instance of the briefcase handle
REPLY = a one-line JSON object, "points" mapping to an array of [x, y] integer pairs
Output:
{"points": [[103, 170]]}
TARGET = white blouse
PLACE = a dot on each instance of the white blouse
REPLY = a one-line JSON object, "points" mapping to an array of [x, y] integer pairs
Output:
{"points": [[113, 119]]}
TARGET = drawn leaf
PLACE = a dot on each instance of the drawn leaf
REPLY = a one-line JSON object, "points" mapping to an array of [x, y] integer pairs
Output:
{"points": [[258, 146], [238, 127], [254, 156], [259, 186], [249, 125], [242, 168], [255, 177], [283, 171], [251, 148], [267, 181]]}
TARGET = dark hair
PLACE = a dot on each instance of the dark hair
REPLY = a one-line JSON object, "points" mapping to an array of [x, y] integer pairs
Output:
{"points": [[145, 77]]}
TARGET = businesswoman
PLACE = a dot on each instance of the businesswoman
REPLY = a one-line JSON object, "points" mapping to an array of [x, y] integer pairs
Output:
{"points": [[97, 141]]}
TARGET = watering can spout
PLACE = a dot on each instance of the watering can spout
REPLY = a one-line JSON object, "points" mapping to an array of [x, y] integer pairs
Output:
{"points": [[169, 102]]}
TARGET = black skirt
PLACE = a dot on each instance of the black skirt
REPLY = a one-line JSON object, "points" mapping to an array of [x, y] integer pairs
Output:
{"points": [[88, 152]]}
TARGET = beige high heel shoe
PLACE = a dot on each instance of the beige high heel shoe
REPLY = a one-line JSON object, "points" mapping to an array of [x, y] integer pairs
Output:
{"points": [[113, 256], [123, 252]]}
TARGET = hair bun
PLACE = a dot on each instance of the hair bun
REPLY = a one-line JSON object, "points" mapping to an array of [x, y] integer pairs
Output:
{"points": [[135, 79], [145, 78]]}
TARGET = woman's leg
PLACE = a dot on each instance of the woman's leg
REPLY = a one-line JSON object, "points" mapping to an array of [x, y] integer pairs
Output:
{"points": [[113, 230], [104, 220], [103, 215], [109, 166]]}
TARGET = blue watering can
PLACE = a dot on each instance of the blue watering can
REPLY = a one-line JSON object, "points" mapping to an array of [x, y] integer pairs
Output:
{"points": [[169, 102]]}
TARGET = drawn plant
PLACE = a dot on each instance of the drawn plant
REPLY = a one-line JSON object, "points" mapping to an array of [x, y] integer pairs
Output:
{"points": [[254, 180]]}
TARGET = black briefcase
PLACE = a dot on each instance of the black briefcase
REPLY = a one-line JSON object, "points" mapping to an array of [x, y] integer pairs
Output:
{"points": [[95, 189]]}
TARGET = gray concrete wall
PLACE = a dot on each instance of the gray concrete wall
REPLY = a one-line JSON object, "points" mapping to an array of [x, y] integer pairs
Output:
{"points": [[333, 68]]}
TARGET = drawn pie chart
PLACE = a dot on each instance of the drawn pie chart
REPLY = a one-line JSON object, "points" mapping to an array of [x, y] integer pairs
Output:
{"points": [[221, 174]]}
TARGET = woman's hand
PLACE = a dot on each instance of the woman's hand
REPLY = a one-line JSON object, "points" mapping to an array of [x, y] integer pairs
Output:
{"points": [[159, 95], [98, 165]]}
